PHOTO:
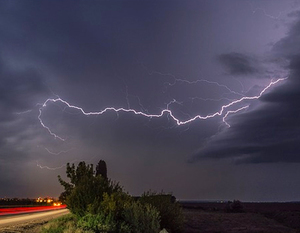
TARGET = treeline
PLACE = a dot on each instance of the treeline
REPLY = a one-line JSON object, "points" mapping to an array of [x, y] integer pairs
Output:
{"points": [[17, 202], [99, 204]]}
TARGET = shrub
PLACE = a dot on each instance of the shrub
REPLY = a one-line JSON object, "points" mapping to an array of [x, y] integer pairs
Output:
{"points": [[97, 223], [171, 217], [64, 224], [115, 203], [85, 191], [100, 205], [139, 218], [234, 207]]}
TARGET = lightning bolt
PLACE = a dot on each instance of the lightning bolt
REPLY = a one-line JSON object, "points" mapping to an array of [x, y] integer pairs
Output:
{"points": [[232, 111], [265, 12], [24, 112], [178, 80], [163, 112], [42, 123], [56, 168], [205, 81], [49, 168], [58, 153], [209, 99]]}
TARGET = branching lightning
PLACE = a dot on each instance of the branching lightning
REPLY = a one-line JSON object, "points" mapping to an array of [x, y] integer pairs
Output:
{"points": [[42, 123], [209, 99], [49, 168], [179, 80], [163, 112], [205, 81], [56, 168], [232, 111], [266, 14], [58, 153], [254, 10], [27, 111]]}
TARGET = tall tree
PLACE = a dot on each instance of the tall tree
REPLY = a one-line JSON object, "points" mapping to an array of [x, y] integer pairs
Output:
{"points": [[76, 176], [84, 192], [101, 169]]}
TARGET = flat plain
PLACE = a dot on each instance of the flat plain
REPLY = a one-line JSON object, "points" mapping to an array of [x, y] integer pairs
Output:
{"points": [[256, 218]]}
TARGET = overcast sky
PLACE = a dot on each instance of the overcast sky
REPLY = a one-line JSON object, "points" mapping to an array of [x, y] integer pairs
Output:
{"points": [[177, 61]]}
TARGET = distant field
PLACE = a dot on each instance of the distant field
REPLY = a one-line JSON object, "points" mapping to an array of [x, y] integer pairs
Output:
{"points": [[257, 217], [14, 206]]}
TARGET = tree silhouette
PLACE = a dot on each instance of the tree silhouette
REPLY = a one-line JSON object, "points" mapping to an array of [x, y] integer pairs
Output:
{"points": [[76, 176], [101, 169], [84, 192]]}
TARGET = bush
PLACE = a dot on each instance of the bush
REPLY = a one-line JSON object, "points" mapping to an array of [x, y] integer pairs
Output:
{"points": [[171, 217], [234, 207], [115, 203], [85, 191], [64, 224], [139, 218], [100, 205], [97, 223]]}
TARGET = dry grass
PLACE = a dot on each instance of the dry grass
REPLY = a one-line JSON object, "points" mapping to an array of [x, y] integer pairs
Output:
{"points": [[29, 227], [209, 219]]}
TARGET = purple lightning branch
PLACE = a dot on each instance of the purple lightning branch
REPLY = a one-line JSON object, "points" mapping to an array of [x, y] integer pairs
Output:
{"points": [[58, 153], [49, 168], [233, 111], [166, 111]]}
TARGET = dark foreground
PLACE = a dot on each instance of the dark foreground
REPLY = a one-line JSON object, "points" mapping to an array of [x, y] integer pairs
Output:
{"points": [[28, 222], [211, 218], [257, 217]]}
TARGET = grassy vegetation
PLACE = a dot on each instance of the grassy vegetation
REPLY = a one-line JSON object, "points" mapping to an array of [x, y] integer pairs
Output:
{"points": [[171, 217], [136, 217], [98, 204], [204, 218], [64, 224]]}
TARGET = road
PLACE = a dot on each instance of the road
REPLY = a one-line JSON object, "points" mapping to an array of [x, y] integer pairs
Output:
{"points": [[12, 220]]}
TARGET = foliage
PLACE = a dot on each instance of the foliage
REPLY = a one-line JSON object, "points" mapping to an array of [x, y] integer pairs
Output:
{"points": [[64, 224], [139, 217], [97, 223], [170, 211], [85, 190], [101, 169], [86, 193], [104, 188], [115, 204], [119, 212], [234, 207], [100, 205], [76, 177]]}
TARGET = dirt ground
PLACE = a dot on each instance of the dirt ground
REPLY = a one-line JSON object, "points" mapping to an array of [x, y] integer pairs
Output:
{"points": [[205, 222], [30, 227], [257, 218]]}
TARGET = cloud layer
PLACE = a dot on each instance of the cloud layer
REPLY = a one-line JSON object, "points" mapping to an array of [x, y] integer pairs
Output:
{"points": [[268, 133]]}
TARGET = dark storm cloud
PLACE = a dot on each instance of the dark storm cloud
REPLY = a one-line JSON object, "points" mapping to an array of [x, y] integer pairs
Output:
{"points": [[97, 54], [269, 133], [238, 64], [18, 89], [93, 42], [289, 46], [266, 135]]}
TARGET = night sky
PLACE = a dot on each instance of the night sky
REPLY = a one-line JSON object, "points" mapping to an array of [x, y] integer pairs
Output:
{"points": [[170, 61]]}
